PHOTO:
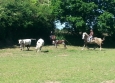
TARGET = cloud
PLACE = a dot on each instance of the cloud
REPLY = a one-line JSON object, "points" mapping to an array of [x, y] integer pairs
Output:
{"points": [[59, 25]]}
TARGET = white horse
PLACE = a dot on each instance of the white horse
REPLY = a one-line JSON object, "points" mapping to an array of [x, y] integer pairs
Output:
{"points": [[95, 40], [39, 44], [25, 42]]}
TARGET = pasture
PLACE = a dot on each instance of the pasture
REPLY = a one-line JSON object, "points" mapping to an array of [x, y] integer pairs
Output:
{"points": [[57, 65]]}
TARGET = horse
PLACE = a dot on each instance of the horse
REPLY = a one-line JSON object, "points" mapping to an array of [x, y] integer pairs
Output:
{"points": [[56, 42], [25, 42], [95, 40], [39, 44]]}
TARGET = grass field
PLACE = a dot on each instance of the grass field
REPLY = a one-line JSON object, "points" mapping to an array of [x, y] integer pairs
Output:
{"points": [[71, 65]]}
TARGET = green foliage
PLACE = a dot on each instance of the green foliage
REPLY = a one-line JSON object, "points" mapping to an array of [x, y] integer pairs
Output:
{"points": [[20, 16], [37, 16], [104, 21], [77, 12], [56, 7], [87, 8]]}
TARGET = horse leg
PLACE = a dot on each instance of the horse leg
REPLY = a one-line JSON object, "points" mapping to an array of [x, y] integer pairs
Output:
{"points": [[100, 47], [36, 50], [64, 44], [56, 45], [22, 47], [87, 46], [83, 47], [28, 46], [39, 49], [94, 47]]}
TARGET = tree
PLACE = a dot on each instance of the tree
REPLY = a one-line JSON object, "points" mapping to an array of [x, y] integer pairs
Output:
{"points": [[22, 18], [86, 14]]}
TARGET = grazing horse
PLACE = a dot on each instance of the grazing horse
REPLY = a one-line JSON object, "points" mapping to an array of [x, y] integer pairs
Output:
{"points": [[39, 44], [25, 42], [95, 40], [56, 42]]}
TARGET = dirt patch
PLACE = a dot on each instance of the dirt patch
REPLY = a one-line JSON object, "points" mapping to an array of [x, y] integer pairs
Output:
{"points": [[109, 81]]}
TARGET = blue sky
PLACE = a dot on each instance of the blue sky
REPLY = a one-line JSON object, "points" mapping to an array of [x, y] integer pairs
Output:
{"points": [[59, 25]]}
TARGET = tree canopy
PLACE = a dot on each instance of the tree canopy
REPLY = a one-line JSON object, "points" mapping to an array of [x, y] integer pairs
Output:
{"points": [[35, 18]]}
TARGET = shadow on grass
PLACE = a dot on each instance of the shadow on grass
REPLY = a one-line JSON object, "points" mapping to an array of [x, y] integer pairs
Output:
{"points": [[8, 46], [45, 51], [28, 50], [97, 49]]}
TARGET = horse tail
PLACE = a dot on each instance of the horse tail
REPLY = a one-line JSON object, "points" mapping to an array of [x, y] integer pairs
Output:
{"points": [[103, 38]]}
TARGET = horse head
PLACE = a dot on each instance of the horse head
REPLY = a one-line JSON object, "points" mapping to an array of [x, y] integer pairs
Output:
{"points": [[53, 37], [85, 35]]}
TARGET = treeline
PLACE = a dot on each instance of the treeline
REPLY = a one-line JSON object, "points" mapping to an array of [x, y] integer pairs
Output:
{"points": [[24, 19], [35, 18]]}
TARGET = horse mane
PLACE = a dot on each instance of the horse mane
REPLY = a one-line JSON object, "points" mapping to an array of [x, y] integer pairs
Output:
{"points": [[85, 33]]}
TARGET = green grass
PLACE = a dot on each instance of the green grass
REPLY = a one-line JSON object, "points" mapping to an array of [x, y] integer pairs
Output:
{"points": [[71, 65]]}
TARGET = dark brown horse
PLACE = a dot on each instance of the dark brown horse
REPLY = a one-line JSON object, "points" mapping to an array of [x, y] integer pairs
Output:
{"points": [[56, 42], [95, 40]]}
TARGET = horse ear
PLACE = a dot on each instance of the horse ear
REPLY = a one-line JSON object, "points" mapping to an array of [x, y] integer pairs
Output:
{"points": [[19, 39]]}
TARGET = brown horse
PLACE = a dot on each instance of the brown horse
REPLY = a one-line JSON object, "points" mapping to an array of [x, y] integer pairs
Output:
{"points": [[56, 42], [95, 40]]}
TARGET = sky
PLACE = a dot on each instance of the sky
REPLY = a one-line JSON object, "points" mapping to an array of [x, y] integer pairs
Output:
{"points": [[59, 25]]}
